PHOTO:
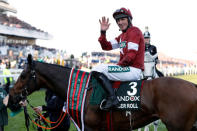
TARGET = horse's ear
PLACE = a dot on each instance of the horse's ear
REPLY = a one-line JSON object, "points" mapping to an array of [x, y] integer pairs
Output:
{"points": [[29, 59]]}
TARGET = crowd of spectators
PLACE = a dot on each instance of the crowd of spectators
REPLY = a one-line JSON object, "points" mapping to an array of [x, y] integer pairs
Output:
{"points": [[170, 66], [174, 69], [17, 54], [13, 21]]}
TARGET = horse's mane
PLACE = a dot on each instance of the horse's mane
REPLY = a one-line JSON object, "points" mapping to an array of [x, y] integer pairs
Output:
{"points": [[56, 65]]}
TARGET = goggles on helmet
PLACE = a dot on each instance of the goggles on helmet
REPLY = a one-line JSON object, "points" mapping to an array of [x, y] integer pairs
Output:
{"points": [[122, 13]]}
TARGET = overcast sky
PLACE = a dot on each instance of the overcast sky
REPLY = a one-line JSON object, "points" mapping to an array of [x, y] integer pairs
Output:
{"points": [[75, 27]]}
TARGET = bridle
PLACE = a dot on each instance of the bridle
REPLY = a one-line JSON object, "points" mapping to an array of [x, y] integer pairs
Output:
{"points": [[22, 96], [25, 92]]}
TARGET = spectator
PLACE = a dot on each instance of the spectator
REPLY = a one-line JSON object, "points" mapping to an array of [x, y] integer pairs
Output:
{"points": [[2, 64], [150, 59], [3, 108], [53, 110], [7, 80]]}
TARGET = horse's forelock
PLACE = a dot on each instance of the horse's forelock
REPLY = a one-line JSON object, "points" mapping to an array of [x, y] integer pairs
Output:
{"points": [[29, 59]]}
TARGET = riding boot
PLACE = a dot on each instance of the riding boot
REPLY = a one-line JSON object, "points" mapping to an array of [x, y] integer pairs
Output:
{"points": [[112, 100]]}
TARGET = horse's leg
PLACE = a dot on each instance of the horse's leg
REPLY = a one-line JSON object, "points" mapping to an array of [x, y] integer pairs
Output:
{"points": [[180, 121], [90, 129], [156, 123], [194, 129], [146, 128], [191, 121], [92, 118], [175, 126]]}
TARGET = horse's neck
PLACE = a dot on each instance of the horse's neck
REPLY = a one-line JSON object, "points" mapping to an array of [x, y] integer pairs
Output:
{"points": [[54, 77]]}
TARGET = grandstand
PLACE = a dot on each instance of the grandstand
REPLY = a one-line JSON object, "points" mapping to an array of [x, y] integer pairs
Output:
{"points": [[18, 38], [16, 33], [4, 6]]}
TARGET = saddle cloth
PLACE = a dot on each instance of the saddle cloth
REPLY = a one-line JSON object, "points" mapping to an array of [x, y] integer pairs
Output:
{"points": [[128, 94], [76, 94]]}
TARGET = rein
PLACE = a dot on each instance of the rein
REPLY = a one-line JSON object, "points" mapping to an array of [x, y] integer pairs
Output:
{"points": [[27, 118], [49, 120], [40, 115]]}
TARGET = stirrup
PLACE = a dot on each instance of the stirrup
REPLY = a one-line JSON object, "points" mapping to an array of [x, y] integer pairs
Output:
{"points": [[102, 102]]}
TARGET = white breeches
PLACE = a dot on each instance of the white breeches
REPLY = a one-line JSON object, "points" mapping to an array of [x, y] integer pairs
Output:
{"points": [[118, 73]]}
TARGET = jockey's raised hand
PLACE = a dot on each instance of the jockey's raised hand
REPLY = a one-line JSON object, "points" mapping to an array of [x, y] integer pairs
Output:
{"points": [[104, 23]]}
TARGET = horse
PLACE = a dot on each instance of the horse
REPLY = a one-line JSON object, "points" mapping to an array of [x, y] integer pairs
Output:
{"points": [[172, 100]]}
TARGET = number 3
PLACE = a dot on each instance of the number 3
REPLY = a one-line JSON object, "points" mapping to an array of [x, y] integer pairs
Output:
{"points": [[133, 87]]}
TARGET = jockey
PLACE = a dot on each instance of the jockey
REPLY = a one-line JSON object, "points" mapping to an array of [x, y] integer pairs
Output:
{"points": [[131, 63], [150, 58]]}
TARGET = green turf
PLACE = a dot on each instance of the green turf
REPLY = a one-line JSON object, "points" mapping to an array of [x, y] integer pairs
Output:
{"points": [[17, 122], [191, 78]]}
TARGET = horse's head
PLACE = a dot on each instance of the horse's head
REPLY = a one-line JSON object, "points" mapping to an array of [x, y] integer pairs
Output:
{"points": [[24, 86]]}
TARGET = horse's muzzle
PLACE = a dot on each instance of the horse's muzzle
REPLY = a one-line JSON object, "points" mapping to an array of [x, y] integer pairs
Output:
{"points": [[13, 103]]}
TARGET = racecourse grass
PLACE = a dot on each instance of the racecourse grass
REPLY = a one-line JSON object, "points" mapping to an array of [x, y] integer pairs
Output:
{"points": [[17, 122]]}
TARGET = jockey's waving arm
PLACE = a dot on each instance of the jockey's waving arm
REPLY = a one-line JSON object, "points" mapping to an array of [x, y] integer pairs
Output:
{"points": [[106, 45]]}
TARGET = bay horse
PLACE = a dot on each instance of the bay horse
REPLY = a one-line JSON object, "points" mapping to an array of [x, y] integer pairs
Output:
{"points": [[172, 100]]}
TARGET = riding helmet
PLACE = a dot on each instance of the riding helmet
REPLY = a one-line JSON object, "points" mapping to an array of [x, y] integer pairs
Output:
{"points": [[146, 34], [122, 13]]}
